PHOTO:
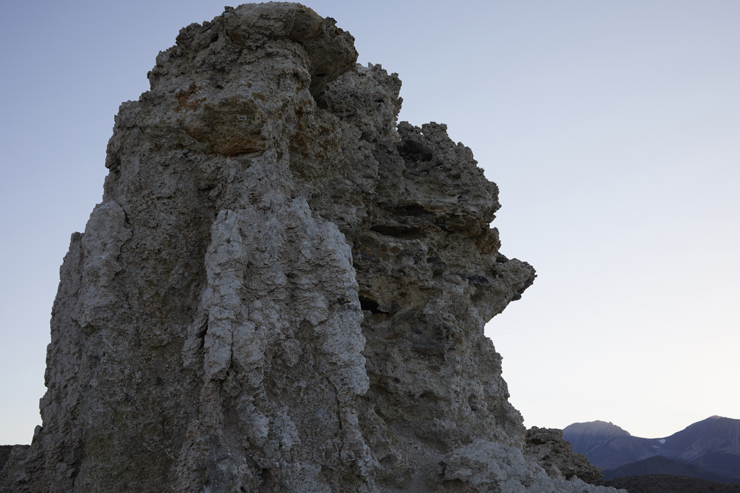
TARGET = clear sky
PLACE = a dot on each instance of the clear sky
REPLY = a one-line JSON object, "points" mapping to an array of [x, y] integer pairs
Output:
{"points": [[612, 128]]}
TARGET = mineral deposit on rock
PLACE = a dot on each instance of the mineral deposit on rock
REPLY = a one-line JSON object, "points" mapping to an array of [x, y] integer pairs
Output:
{"points": [[282, 290]]}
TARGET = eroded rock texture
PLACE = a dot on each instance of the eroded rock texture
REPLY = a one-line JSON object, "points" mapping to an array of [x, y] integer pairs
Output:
{"points": [[556, 456], [281, 290]]}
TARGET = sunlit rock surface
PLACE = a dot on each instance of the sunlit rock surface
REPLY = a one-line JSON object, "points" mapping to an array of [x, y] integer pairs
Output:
{"points": [[282, 290]]}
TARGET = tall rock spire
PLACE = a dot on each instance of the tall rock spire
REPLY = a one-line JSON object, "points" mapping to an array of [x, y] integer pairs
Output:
{"points": [[282, 289]]}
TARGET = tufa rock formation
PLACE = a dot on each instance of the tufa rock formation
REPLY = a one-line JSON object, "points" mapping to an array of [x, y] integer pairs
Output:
{"points": [[281, 290], [556, 456], [6, 450]]}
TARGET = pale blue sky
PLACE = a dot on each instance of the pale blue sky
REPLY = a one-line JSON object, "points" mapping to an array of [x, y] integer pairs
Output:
{"points": [[612, 128]]}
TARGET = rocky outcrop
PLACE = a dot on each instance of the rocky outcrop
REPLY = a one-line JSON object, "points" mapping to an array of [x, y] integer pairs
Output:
{"points": [[5, 451], [13, 454], [281, 290], [556, 456]]}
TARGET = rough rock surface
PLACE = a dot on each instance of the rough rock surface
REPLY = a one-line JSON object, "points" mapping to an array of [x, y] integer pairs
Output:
{"points": [[556, 456], [281, 290], [5, 451]]}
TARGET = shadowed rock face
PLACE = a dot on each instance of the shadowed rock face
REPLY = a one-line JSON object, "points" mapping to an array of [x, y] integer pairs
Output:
{"points": [[281, 290], [546, 446]]}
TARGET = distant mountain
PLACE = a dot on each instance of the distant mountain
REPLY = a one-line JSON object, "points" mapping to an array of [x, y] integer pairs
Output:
{"points": [[608, 446], [662, 465], [712, 444]]}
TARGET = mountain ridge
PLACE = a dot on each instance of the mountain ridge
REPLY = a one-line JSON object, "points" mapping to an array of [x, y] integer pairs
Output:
{"points": [[712, 444]]}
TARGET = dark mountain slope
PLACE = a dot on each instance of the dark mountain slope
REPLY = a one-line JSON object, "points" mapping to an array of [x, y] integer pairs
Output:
{"points": [[663, 465], [720, 463], [713, 444]]}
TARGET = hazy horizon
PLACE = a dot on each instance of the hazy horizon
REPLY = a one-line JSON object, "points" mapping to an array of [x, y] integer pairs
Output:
{"points": [[611, 128]]}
